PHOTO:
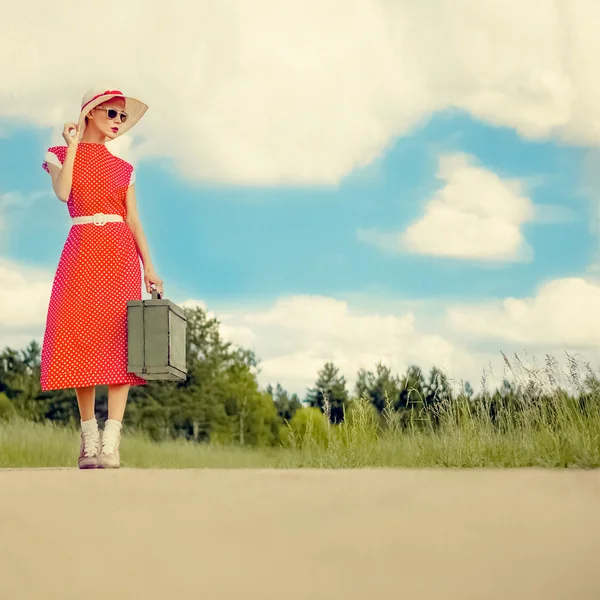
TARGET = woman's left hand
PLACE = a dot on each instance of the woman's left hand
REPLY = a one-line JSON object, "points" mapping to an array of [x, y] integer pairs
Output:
{"points": [[150, 277]]}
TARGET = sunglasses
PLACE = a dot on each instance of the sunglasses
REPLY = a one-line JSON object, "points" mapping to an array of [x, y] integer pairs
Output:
{"points": [[113, 112]]}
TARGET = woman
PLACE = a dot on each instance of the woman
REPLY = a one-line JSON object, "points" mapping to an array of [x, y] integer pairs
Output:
{"points": [[85, 341]]}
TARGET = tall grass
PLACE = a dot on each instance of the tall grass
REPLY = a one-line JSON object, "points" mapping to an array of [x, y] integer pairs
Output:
{"points": [[462, 438], [547, 420]]}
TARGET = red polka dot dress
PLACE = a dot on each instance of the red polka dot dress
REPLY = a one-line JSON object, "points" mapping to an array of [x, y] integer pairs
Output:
{"points": [[85, 341]]}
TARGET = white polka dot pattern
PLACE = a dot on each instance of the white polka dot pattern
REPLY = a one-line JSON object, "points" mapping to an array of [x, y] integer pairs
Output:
{"points": [[85, 341]]}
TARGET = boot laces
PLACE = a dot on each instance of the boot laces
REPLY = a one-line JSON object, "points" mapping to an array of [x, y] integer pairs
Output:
{"points": [[90, 443], [110, 440]]}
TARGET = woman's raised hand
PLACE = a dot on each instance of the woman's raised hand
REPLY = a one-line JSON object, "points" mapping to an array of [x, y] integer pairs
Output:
{"points": [[71, 134]]}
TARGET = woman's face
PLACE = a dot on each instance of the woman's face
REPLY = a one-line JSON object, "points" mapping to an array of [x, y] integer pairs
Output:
{"points": [[101, 119]]}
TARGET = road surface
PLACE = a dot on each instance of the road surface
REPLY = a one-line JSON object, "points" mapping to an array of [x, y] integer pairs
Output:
{"points": [[300, 534]]}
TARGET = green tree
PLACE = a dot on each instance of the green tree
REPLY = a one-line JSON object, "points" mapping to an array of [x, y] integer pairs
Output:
{"points": [[286, 405], [412, 386], [219, 400], [331, 387], [20, 379], [198, 408], [437, 387], [7, 410], [377, 385], [252, 414], [154, 408], [308, 425]]}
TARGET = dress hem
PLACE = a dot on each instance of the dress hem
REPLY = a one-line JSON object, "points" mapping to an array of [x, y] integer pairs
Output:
{"points": [[90, 383]]}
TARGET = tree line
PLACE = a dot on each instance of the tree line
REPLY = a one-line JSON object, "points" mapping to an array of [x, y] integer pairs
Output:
{"points": [[221, 401]]}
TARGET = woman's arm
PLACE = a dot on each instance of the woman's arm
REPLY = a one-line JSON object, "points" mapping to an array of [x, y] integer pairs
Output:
{"points": [[62, 179], [133, 220]]}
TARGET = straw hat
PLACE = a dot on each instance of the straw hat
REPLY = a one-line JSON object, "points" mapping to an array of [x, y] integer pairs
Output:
{"points": [[135, 109]]}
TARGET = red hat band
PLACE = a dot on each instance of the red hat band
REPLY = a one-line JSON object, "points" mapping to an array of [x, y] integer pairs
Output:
{"points": [[106, 93]]}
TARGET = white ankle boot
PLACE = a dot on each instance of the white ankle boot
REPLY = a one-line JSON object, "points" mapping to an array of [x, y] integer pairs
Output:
{"points": [[111, 438], [89, 450]]}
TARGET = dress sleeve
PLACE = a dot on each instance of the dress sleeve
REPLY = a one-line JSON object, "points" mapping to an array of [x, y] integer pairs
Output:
{"points": [[55, 156]]}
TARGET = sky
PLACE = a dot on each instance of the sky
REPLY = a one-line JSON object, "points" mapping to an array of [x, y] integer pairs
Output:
{"points": [[359, 182]]}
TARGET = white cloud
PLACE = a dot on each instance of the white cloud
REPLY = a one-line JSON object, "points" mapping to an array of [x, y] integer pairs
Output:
{"points": [[296, 335], [19, 200], [239, 334], [303, 92], [563, 313], [475, 215], [24, 296]]}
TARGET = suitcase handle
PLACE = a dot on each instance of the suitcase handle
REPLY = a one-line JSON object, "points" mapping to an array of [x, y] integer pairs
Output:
{"points": [[155, 294]]}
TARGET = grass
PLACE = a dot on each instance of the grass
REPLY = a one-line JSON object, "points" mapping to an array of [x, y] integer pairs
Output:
{"points": [[472, 442], [27, 444], [541, 424], [359, 442]]}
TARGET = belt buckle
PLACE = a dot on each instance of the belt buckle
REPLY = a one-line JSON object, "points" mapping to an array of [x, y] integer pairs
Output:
{"points": [[99, 219]]}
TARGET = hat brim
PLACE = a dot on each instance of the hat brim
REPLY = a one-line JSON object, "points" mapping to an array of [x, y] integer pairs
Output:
{"points": [[134, 108]]}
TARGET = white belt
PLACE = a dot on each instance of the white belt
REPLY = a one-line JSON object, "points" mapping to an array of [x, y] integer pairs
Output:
{"points": [[97, 219]]}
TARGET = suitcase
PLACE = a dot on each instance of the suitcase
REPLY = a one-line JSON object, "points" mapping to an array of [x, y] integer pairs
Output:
{"points": [[156, 339]]}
